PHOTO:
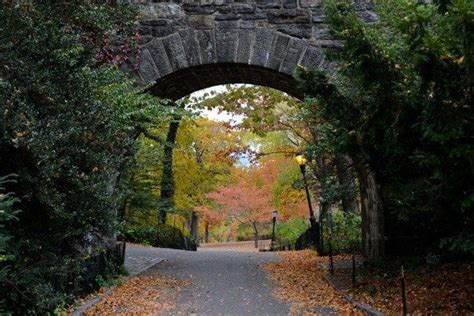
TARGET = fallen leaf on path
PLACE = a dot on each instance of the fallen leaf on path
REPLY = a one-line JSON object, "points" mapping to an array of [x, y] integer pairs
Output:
{"points": [[140, 295], [300, 282]]}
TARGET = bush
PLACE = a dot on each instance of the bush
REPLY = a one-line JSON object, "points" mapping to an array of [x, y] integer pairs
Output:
{"points": [[68, 117], [139, 234], [288, 233], [346, 232], [461, 245], [7, 254], [171, 237], [165, 236]]}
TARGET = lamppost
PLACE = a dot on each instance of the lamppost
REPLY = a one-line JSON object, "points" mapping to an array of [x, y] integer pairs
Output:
{"points": [[301, 160], [274, 219]]}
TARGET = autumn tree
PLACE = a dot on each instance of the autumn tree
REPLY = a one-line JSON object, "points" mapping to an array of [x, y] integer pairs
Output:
{"points": [[247, 200]]}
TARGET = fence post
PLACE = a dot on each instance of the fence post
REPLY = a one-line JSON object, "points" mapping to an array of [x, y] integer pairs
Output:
{"points": [[404, 295], [331, 260], [353, 267]]}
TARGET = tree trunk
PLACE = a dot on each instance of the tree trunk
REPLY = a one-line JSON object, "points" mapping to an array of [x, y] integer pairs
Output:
{"points": [[194, 226], [167, 179], [206, 233], [255, 234], [347, 182], [324, 209], [372, 214]]}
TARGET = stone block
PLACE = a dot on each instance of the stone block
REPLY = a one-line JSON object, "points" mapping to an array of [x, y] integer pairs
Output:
{"points": [[239, 8], [199, 10], [268, 4], [247, 24], [147, 68], [254, 16], [312, 58], [246, 41], [175, 50], [287, 16], [143, 39], [231, 17], [226, 45], [318, 15], [201, 21], [310, 3], [262, 47], [278, 51], [163, 10], [321, 32], [160, 57], [211, 2], [294, 52], [290, 4], [207, 45], [163, 31], [157, 22], [191, 47], [224, 10], [145, 30], [296, 30]]}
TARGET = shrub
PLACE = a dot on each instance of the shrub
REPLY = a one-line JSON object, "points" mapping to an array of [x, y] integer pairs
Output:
{"points": [[288, 233], [346, 232], [68, 117]]}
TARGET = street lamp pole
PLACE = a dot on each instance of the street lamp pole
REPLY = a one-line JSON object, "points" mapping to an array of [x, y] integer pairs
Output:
{"points": [[315, 227], [274, 217], [301, 160]]}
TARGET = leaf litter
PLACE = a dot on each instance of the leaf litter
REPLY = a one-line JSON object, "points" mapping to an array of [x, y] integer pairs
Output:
{"points": [[300, 282], [140, 295]]}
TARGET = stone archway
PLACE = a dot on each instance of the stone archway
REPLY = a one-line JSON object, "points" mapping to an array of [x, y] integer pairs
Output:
{"points": [[187, 45]]}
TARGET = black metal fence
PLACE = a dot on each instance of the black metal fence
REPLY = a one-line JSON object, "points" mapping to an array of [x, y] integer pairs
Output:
{"points": [[307, 240]]}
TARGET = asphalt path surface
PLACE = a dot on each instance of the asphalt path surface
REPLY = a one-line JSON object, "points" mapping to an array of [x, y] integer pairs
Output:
{"points": [[223, 282]]}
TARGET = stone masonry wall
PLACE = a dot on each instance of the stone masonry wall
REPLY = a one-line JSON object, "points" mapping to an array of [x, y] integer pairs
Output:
{"points": [[189, 45]]}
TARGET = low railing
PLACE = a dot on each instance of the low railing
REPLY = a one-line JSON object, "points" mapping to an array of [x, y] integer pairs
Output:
{"points": [[307, 240]]}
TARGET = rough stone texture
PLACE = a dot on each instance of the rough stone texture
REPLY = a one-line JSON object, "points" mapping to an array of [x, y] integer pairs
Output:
{"points": [[188, 45]]}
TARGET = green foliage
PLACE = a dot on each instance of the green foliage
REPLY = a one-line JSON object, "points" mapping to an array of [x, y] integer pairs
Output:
{"points": [[69, 119], [346, 232], [461, 245], [139, 234], [169, 237], [161, 235], [7, 215], [400, 103], [288, 232]]}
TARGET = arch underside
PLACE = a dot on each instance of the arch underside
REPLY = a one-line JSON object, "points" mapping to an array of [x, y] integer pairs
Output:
{"points": [[189, 45], [186, 81]]}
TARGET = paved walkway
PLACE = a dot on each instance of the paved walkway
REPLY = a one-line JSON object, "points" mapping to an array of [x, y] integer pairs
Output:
{"points": [[222, 282], [140, 258]]}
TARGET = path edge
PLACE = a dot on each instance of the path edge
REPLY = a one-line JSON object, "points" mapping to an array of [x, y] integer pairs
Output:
{"points": [[87, 305], [358, 305]]}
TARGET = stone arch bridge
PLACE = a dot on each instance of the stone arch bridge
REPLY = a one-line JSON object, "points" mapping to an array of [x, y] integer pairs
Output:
{"points": [[188, 45]]}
